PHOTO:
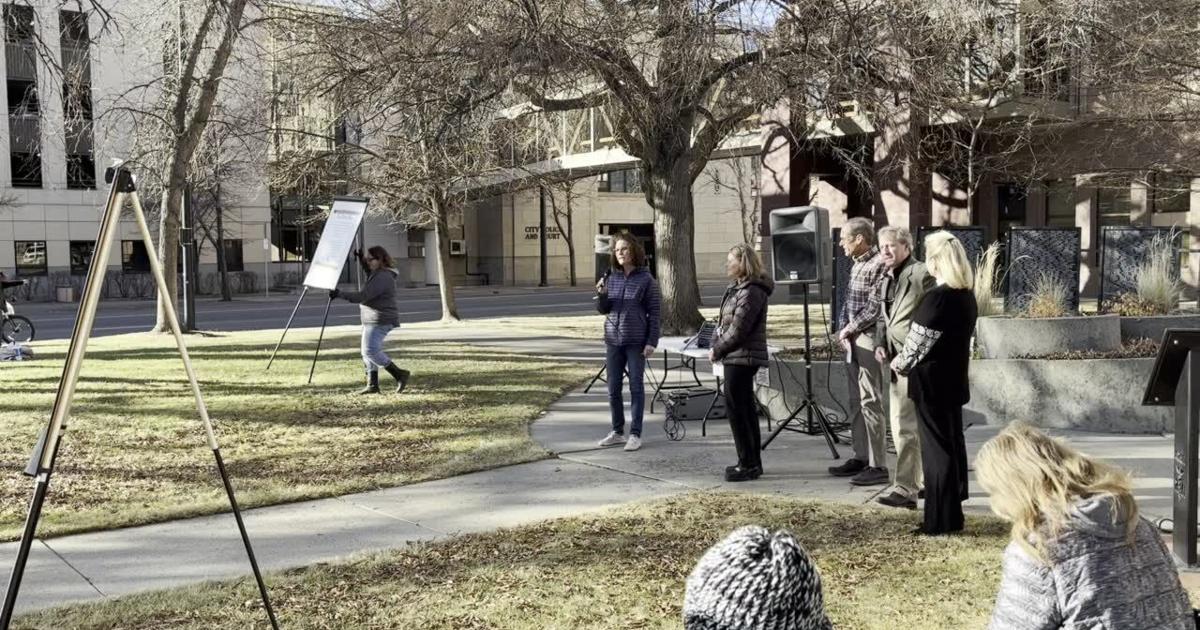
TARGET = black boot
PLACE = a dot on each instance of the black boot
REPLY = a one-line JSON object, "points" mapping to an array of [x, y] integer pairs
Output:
{"points": [[400, 375], [372, 383]]}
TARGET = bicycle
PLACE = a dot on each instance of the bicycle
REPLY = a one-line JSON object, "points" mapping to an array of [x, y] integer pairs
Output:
{"points": [[15, 328]]}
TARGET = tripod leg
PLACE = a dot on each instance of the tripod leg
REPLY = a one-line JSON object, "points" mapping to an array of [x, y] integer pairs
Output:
{"points": [[201, 407], [783, 423], [287, 326], [18, 571], [830, 438], [320, 337], [598, 377]]}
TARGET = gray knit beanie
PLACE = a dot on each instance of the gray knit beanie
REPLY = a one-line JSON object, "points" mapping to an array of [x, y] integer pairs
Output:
{"points": [[754, 580]]}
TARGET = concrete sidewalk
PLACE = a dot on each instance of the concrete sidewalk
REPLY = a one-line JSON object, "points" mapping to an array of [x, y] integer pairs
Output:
{"points": [[582, 478]]}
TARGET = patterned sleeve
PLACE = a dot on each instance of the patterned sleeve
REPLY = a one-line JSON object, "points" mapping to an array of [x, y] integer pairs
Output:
{"points": [[917, 345], [1028, 598], [923, 333]]}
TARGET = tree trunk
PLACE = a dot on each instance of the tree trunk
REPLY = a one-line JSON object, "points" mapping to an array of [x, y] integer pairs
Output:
{"points": [[567, 232], [189, 128], [168, 246], [570, 235], [670, 192], [445, 288], [222, 262]]}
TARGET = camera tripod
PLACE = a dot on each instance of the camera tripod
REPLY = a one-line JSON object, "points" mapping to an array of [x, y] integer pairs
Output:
{"points": [[809, 404]]}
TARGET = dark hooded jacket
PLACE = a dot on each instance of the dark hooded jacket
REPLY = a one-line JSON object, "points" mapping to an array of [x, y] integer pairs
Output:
{"points": [[377, 300], [741, 337]]}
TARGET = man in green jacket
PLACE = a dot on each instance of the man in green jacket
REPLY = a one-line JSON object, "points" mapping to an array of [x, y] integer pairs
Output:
{"points": [[903, 285]]}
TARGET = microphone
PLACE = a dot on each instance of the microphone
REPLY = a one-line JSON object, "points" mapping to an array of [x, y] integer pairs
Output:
{"points": [[603, 281]]}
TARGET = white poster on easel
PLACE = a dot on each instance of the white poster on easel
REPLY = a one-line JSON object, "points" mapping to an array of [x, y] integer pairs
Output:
{"points": [[337, 239]]}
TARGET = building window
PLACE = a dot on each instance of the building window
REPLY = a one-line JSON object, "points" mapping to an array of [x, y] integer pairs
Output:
{"points": [[1172, 192], [31, 258], [134, 258], [625, 181], [81, 256], [26, 170], [77, 99], [1060, 204], [1113, 204], [24, 109], [416, 251], [233, 255], [81, 171]]}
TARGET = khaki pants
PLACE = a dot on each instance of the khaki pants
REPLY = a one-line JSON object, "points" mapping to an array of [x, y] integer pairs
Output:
{"points": [[868, 430], [906, 433]]}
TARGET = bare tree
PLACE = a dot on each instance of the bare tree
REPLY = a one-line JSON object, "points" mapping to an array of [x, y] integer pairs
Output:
{"points": [[745, 173], [172, 109], [423, 97], [562, 206]]}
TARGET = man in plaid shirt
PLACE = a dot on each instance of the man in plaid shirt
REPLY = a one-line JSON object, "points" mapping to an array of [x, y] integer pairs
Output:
{"points": [[868, 467]]}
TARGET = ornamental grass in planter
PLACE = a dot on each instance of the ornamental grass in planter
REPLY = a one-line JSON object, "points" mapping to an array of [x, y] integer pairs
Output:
{"points": [[1046, 327], [1155, 306]]}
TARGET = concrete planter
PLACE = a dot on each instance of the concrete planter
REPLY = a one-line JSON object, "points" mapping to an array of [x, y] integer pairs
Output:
{"points": [[1010, 337], [1090, 394], [1153, 327]]}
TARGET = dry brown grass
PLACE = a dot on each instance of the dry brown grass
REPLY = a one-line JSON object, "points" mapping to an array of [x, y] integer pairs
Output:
{"points": [[135, 451], [621, 569]]}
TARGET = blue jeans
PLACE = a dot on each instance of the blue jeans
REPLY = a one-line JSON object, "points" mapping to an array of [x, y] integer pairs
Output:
{"points": [[619, 359], [372, 346]]}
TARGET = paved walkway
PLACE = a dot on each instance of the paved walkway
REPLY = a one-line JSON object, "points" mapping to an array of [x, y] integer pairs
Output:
{"points": [[582, 478]]}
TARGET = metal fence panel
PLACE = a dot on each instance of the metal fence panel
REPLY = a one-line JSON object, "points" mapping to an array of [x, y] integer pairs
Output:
{"points": [[1122, 250], [1034, 251]]}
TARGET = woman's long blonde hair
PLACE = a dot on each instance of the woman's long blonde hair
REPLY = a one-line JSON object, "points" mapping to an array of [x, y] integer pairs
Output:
{"points": [[751, 262], [1034, 480], [947, 260]]}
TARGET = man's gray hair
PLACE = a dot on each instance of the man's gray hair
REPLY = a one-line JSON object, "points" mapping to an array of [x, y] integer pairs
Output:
{"points": [[896, 234], [858, 226]]}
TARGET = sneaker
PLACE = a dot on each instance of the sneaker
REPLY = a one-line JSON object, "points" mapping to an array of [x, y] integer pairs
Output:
{"points": [[850, 468], [613, 438], [875, 476], [633, 443], [897, 500], [743, 474]]}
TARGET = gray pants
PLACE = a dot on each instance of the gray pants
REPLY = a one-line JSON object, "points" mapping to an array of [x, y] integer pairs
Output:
{"points": [[869, 427]]}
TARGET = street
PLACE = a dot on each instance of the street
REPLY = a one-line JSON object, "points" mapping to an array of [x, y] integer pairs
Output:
{"points": [[258, 312]]}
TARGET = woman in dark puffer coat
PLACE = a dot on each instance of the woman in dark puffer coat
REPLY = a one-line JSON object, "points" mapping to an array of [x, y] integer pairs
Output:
{"points": [[740, 345]]}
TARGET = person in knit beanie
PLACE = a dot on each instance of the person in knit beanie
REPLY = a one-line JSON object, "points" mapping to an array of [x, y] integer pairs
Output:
{"points": [[755, 580]]}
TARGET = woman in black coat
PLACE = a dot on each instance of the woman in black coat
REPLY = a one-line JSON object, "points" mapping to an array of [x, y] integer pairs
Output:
{"points": [[936, 356], [740, 344]]}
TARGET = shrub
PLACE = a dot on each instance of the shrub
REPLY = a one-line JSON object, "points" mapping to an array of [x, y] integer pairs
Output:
{"points": [[1049, 298], [1157, 281], [986, 281], [1131, 305]]}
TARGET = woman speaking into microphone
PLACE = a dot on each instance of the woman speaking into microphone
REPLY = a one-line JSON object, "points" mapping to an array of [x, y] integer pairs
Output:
{"points": [[629, 297]]}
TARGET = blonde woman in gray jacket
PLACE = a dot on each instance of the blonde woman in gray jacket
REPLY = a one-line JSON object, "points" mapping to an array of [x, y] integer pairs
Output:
{"points": [[1080, 557]]}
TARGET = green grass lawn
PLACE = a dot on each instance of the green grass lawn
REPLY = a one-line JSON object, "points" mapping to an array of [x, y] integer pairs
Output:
{"points": [[135, 450], [620, 569]]}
